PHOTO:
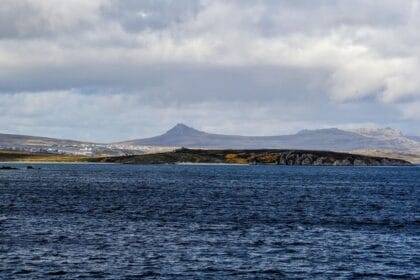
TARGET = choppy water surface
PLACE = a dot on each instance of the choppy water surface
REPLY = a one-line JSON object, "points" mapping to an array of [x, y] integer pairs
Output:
{"points": [[209, 222]]}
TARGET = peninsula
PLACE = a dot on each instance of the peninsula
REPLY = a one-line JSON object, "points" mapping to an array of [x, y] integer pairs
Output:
{"points": [[262, 156]]}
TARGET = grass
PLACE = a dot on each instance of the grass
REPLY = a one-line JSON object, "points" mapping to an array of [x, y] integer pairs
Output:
{"points": [[13, 156]]}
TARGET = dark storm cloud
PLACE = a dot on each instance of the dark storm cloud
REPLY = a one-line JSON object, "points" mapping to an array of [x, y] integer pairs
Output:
{"points": [[177, 83]]}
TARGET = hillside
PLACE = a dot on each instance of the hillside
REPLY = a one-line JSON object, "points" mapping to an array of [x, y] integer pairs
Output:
{"points": [[24, 140], [321, 139], [46, 145], [365, 140]]}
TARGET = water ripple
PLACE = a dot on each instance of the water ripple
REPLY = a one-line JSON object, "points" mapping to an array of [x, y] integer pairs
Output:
{"points": [[209, 222]]}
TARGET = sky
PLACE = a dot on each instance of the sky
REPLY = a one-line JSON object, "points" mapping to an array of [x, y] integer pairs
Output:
{"points": [[108, 70]]}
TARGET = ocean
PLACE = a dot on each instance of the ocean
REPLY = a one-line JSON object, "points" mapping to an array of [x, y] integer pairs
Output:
{"points": [[93, 221]]}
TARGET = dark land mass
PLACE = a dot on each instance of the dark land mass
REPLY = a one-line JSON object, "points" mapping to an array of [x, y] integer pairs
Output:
{"points": [[279, 157]]}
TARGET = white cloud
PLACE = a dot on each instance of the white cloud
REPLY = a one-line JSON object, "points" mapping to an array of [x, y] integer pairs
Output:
{"points": [[218, 53], [31, 18]]}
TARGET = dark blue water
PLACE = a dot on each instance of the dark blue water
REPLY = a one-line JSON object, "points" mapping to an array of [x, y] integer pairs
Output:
{"points": [[209, 222]]}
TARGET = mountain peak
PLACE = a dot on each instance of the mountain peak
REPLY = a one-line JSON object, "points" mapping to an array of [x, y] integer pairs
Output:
{"points": [[181, 129], [181, 126]]}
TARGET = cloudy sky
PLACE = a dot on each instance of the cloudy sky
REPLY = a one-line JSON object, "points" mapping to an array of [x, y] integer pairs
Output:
{"points": [[108, 70]]}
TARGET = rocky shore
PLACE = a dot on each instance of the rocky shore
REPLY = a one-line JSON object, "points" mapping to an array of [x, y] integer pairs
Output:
{"points": [[278, 157]]}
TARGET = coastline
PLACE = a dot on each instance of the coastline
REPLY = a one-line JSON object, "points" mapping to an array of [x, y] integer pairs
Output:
{"points": [[256, 157], [193, 164], [53, 162], [185, 156]]}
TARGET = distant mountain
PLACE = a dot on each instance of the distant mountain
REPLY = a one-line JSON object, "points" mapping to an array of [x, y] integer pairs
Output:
{"points": [[35, 144], [367, 141], [25, 140], [387, 134], [320, 139]]}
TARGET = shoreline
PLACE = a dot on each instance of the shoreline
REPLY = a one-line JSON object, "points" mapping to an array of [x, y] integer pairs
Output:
{"points": [[52, 162], [186, 156], [192, 164]]}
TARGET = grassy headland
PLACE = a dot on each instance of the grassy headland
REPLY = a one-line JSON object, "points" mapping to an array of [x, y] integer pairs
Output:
{"points": [[279, 157]]}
